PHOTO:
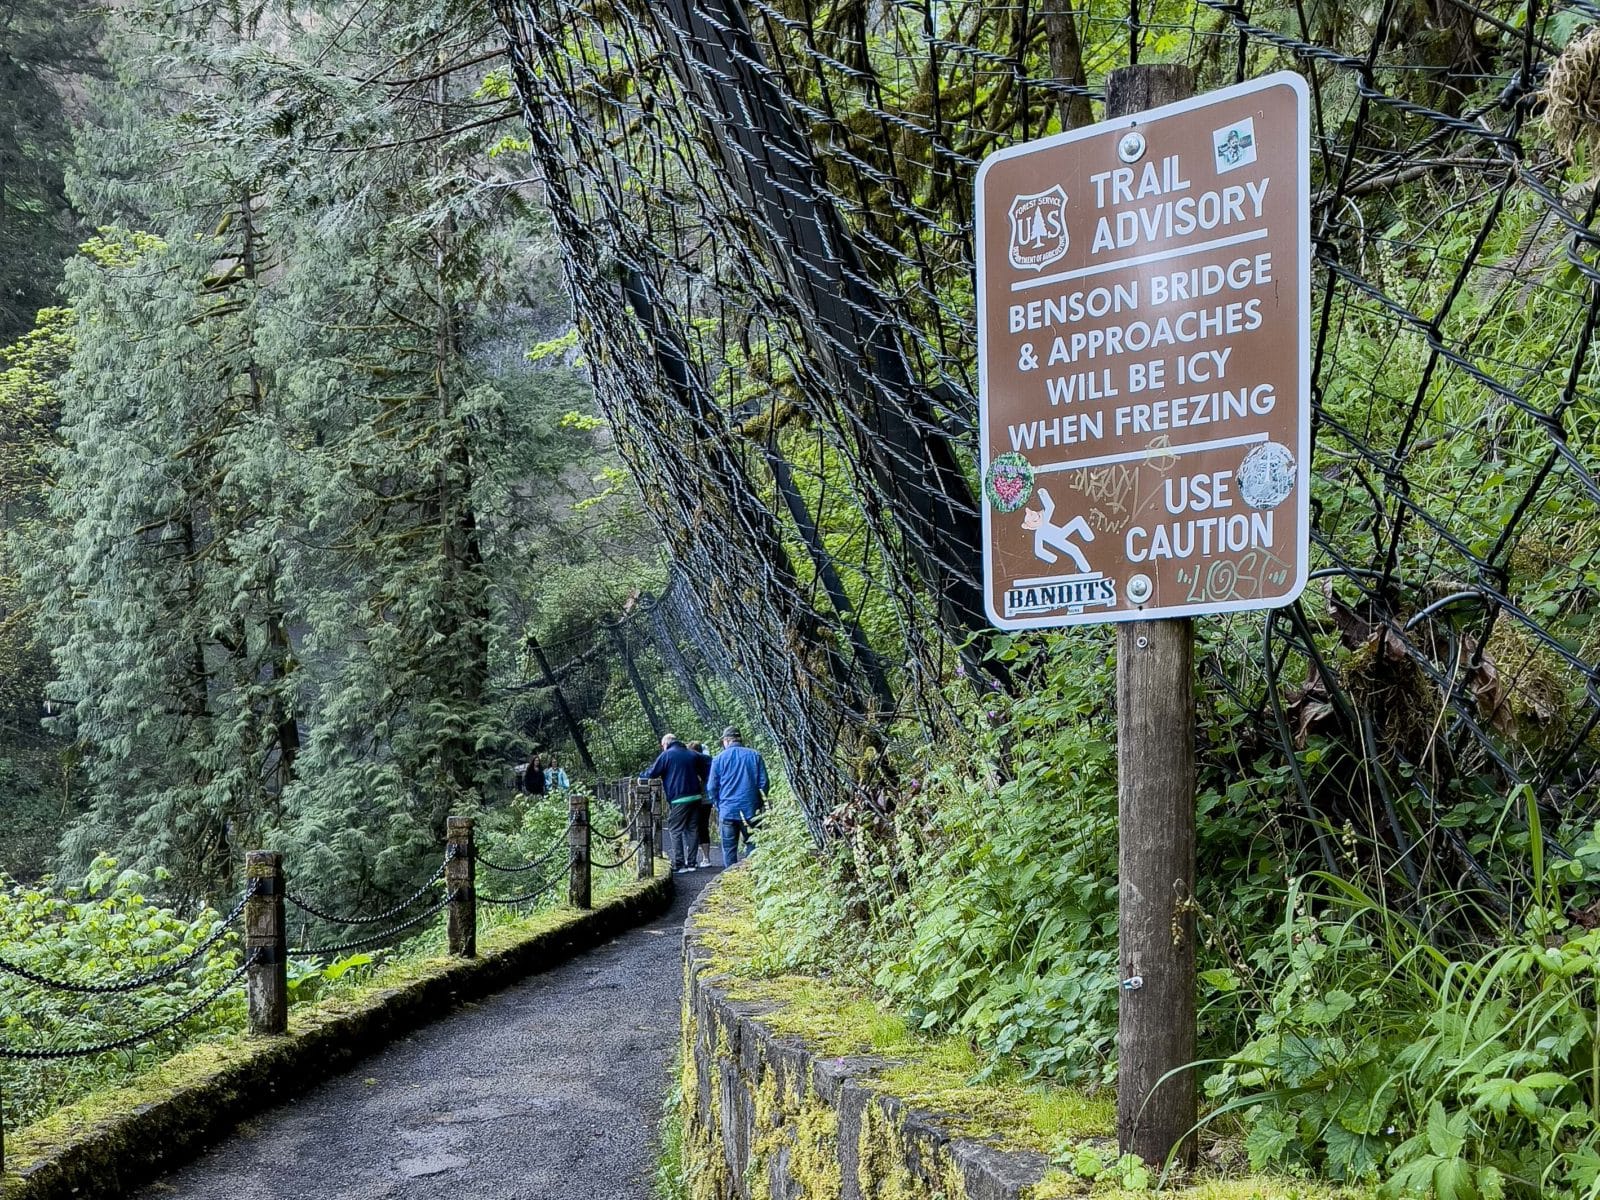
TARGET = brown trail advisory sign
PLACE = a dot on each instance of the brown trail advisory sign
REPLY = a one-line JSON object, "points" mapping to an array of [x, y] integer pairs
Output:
{"points": [[1144, 362]]}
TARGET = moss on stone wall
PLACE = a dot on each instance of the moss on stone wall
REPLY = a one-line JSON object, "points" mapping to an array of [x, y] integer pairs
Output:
{"points": [[1062, 1185], [921, 1126], [885, 1156], [705, 1163], [938, 1075]]}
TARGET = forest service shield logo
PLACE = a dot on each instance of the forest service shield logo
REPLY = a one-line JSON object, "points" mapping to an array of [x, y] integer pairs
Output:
{"points": [[1038, 229]]}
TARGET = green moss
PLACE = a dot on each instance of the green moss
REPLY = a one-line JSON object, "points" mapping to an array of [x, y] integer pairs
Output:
{"points": [[705, 1169], [1063, 1185], [887, 1032], [936, 1074], [400, 973], [1056, 1114], [802, 1131], [882, 1156], [167, 1082], [814, 1151], [672, 1176], [1001, 1110], [969, 1095], [116, 1135]]}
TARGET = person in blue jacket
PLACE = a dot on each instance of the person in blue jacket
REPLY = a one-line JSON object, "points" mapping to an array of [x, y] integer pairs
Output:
{"points": [[737, 788], [683, 781]]}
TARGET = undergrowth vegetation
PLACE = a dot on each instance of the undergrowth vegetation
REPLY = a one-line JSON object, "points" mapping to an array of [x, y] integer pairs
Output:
{"points": [[113, 927], [105, 928], [1342, 1037]]}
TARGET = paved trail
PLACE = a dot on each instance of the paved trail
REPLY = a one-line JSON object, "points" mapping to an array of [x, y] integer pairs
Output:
{"points": [[548, 1090]]}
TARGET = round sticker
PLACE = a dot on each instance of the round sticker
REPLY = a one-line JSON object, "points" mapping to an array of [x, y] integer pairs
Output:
{"points": [[1010, 481], [1266, 476]]}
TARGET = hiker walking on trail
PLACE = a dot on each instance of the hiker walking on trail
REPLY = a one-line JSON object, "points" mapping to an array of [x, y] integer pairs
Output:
{"points": [[533, 776], [683, 781], [737, 787], [702, 816]]}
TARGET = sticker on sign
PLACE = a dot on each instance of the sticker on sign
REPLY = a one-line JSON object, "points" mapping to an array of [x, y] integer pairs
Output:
{"points": [[1144, 290]]}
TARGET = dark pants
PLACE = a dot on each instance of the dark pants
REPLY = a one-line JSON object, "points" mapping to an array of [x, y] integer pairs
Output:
{"points": [[682, 833], [733, 832], [702, 821]]}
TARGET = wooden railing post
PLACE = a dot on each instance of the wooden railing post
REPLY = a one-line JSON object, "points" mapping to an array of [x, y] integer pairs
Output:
{"points": [[577, 849], [265, 944], [644, 827], [460, 879]]}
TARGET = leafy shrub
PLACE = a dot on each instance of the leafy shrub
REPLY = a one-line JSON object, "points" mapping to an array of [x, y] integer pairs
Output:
{"points": [[1376, 1056], [987, 907], [106, 929], [1341, 1038]]}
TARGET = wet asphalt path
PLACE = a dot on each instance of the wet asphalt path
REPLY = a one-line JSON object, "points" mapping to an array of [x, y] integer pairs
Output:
{"points": [[549, 1090]]}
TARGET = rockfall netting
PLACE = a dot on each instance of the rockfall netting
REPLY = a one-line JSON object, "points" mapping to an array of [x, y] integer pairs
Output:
{"points": [[766, 209]]}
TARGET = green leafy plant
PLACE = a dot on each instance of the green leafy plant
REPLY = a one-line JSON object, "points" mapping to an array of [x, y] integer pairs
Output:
{"points": [[105, 929], [1377, 1056]]}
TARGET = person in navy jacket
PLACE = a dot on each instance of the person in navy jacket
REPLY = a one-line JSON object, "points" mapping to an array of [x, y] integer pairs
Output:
{"points": [[683, 781], [737, 788]]}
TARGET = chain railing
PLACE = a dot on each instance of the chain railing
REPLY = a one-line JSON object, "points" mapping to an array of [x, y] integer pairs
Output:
{"points": [[374, 939], [259, 915], [538, 893], [613, 864], [310, 909], [133, 1040], [537, 864]]}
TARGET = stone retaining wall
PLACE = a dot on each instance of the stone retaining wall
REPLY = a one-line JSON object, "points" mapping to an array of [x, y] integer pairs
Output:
{"points": [[766, 1118]]}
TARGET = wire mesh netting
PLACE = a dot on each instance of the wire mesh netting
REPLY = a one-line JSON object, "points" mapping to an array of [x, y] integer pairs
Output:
{"points": [[766, 208], [613, 683]]}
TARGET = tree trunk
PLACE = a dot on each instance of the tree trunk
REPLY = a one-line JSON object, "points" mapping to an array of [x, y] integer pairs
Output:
{"points": [[1066, 62]]}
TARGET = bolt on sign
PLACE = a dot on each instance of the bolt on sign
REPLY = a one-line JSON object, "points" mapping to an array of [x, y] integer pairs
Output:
{"points": [[1144, 290]]}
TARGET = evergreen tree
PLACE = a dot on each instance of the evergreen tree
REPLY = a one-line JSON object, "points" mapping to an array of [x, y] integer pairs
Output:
{"points": [[285, 498], [164, 597], [44, 44], [37, 780]]}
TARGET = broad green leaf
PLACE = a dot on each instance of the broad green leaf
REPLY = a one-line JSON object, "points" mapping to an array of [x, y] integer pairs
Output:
{"points": [[1446, 1135], [1221, 979]]}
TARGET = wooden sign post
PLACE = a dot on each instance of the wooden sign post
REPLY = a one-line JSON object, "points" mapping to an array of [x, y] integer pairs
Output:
{"points": [[1144, 411], [1155, 825]]}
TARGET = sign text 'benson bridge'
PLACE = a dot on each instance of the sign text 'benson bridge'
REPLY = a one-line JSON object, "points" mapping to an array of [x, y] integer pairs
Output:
{"points": [[1143, 309]]}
